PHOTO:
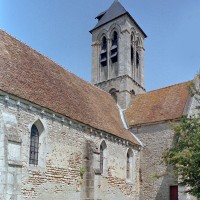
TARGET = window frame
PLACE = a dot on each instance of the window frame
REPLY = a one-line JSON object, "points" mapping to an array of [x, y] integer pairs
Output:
{"points": [[130, 166], [102, 157], [34, 145]]}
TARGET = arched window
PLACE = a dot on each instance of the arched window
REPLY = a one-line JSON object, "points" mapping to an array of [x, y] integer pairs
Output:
{"points": [[37, 136], [103, 148], [114, 48], [103, 58], [129, 163], [132, 92], [133, 36], [128, 166], [34, 145], [113, 93]]}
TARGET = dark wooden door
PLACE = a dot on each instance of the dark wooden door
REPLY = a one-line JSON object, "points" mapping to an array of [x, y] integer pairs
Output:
{"points": [[173, 192]]}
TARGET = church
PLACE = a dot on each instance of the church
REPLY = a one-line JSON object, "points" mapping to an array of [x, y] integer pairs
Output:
{"points": [[66, 139]]}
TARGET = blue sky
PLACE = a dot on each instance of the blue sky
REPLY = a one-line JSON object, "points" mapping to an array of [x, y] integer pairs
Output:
{"points": [[60, 30]]}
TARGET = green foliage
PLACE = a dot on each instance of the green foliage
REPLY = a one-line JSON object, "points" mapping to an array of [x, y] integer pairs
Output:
{"points": [[82, 172], [184, 156]]}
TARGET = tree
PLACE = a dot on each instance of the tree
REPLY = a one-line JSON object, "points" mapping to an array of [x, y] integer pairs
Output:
{"points": [[184, 156]]}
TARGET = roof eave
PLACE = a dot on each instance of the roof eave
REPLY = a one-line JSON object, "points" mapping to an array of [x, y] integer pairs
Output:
{"points": [[106, 23], [145, 36], [58, 114], [155, 122]]}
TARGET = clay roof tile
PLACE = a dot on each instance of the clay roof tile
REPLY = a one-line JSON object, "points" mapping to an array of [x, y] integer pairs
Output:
{"points": [[158, 105], [30, 75]]}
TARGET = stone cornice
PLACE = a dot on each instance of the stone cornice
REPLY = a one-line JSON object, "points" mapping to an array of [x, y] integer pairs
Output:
{"points": [[120, 77]]}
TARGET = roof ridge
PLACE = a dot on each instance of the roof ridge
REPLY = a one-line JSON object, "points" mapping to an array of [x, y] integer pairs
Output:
{"points": [[59, 65]]}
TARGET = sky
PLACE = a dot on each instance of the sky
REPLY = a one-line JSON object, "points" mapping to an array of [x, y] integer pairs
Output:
{"points": [[60, 29]]}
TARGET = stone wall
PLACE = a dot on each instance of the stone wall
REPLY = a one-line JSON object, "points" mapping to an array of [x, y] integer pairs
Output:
{"points": [[65, 148], [156, 176], [124, 85]]}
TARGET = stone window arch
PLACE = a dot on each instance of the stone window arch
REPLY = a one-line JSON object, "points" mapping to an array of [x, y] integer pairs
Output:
{"points": [[132, 92], [103, 157], [132, 42], [36, 131], [113, 93], [129, 164], [133, 36], [103, 56], [139, 42]]}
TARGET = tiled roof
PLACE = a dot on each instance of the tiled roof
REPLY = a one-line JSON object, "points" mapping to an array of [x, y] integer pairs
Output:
{"points": [[159, 105], [27, 74]]}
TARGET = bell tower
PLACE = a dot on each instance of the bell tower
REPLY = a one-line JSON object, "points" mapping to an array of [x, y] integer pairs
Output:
{"points": [[118, 54]]}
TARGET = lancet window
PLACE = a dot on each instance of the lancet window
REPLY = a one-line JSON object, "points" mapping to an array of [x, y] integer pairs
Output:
{"points": [[114, 48], [34, 145], [103, 57]]}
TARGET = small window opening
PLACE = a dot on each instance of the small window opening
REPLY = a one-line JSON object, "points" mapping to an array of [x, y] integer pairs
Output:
{"points": [[132, 55], [101, 159], [103, 148], [113, 93], [129, 165], [137, 59], [114, 48], [132, 92], [34, 146], [128, 175], [103, 57]]}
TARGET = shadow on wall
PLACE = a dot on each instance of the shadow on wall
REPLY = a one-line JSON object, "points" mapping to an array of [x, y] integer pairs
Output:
{"points": [[168, 180]]}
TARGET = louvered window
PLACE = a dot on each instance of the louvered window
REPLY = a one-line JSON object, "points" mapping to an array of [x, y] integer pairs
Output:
{"points": [[103, 56], [114, 48], [34, 146]]}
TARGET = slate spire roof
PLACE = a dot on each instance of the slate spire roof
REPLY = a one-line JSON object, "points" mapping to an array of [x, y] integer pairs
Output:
{"points": [[116, 10]]}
